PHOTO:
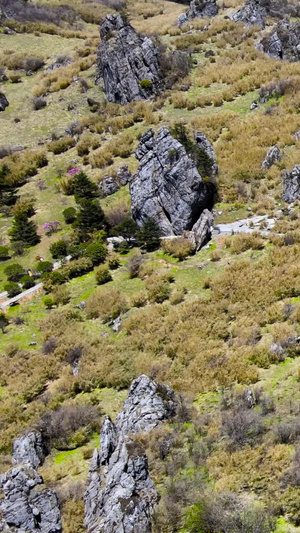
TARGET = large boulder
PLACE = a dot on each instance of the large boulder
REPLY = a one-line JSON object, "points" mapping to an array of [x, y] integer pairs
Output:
{"points": [[251, 13], [127, 62], [108, 185], [29, 449], [202, 8], [291, 185], [168, 187], [273, 155], [3, 102], [283, 42], [120, 494]]}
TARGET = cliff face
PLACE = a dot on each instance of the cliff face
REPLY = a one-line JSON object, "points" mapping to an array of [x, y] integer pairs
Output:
{"points": [[120, 494], [168, 187], [127, 62]]}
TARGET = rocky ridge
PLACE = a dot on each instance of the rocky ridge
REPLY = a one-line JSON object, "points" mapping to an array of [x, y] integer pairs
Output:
{"points": [[127, 62], [23, 507], [120, 494], [199, 8], [168, 187]]}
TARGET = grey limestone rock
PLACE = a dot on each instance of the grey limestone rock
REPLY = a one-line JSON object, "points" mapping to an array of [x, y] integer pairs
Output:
{"points": [[291, 185], [168, 187], [201, 231], [127, 62], [29, 449], [24, 508], [3, 102], [283, 42], [202, 8], [108, 185], [273, 155], [251, 13], [120, 494], [206, 147], [124, 175]]}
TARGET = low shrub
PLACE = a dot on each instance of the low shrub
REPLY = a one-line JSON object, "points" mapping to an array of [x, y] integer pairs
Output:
{"points": [[246, 241], [96, 252], [27, 282], [139, 299], [179, 247], [61, 145], [12, 289], [4, 253], [158, 287], [77, 268], [59, 249], [38, 103], [69, 215], [44, 266], [113, 261], [106, 304], [134, 265], [103, 275], [14, 272]]}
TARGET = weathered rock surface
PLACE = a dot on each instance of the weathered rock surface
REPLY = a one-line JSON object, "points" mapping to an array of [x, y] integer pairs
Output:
{"points": [[29, 449], [3, 102], [202, 230], [23, 508], [251, 13], [108, 185], [273, 155], [124, 175], [283, 42], [120, 494], [206, 147], [168, 187], [202, 8], [127, 62], [291, 185]]}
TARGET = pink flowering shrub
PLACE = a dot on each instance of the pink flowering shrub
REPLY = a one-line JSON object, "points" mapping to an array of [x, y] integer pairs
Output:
{"points": [[51, 227]]}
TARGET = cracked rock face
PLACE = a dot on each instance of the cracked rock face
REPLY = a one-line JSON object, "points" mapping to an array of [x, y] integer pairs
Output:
{"points": [[127, 62], [283, 42], [29, 449], [291, 185], [120, 494], [202, 8], [23, 508], [108, 186], [168, 187], [273, 155], [3, 102], [251, 13]]}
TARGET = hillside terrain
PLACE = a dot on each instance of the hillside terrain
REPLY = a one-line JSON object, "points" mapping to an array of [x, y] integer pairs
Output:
{"points": [[150, 226]]}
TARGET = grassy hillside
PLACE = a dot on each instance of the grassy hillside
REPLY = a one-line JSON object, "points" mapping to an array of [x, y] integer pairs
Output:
{"points": [[210, 325]]}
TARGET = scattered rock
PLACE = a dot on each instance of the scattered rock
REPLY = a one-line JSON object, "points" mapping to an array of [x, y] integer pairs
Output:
{"points": [[273, 155], [62, 61], [297, 135], [283, 42], [108, 185], [182, 19], [116, 324], [127, 62], [124, 175], [291, 185], [3, 102], [251, 13], [253, 106], [168, 187], [120, 495], [249, 398]]}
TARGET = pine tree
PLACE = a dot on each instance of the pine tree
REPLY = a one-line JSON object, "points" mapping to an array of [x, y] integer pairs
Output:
{"points": [[90, 218], [83, 187], [24, 230], [149, 236]]}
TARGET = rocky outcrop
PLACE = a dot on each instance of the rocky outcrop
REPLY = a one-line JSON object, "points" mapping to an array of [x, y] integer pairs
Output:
{"points": [[251, 13], [29, 449], [291, 185], [199, 8], [3, 102], [273, 155], [168, 187], [283, 42], [127, 62], [206, 147], [23, 507], [108, 185], [202, 230], [124, 175], [120, 494]]}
